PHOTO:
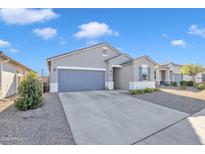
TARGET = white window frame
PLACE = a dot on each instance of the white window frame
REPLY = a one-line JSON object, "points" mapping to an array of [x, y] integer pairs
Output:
{"points": [[104, 51], [145, 66]]}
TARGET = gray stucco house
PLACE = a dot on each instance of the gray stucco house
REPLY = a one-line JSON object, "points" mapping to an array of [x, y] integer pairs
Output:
{"points": [[168, 72], [11, 73], [99, 67]]}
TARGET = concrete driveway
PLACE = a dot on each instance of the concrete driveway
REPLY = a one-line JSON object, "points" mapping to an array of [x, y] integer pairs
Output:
{"points": [[190, 131], [110, 117]]}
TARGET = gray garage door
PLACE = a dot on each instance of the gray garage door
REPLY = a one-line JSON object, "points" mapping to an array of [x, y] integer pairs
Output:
{"points": [[80, 80]]}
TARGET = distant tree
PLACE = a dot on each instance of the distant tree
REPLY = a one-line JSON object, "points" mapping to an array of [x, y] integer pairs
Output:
{"points": [[192, 70]]}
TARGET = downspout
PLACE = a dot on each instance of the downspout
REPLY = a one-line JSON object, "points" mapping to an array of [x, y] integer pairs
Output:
{"points": [[2, 64]]}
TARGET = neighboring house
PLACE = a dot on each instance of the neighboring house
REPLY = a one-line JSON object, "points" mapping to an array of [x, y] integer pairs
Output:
{"points": [[200, 77], [165, 73], [11, 73], [43, 79], [99, 67]]}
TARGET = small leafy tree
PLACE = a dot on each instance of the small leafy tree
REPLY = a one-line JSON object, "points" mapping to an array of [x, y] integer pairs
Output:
{"points": [[192, 70], [30, 93]]}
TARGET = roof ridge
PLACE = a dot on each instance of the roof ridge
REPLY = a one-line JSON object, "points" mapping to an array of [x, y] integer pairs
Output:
{"points": [[14, 61], [103, 43]]}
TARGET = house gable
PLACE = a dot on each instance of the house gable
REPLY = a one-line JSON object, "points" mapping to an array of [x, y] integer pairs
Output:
{"points": [[93, 58], [144, 58], [143, 61], [84, 50]]}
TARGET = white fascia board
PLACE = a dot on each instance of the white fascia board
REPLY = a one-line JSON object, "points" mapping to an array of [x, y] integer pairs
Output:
{"points": [[113, 59], [120, 56], [117, 66], [81, 68]]}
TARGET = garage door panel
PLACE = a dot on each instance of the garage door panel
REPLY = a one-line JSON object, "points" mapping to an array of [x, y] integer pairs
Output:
{"points": [[80, 80]]}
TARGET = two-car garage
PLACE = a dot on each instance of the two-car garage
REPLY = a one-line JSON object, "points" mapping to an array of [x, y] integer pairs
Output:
{"points": [[80, 79], [82, 70]]}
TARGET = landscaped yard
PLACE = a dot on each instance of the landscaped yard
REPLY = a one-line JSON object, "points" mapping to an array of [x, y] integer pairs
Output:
{"points": [[189, 92], [48, 124], [189, 100], [45, 125]]}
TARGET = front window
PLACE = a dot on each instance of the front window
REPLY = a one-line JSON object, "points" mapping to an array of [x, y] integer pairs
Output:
{"points": [[144, 72], [104, 51]]}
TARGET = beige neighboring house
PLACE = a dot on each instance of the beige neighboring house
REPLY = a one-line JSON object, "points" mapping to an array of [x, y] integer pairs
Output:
{"points": [[168, 72], [200, 77], [11, 73], [99, 67]]}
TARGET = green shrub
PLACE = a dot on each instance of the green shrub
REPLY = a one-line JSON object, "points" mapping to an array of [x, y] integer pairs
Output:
{"points": [[139, 91], [30, 93], [133, 92], [173, 83], [156, 89], [200, 86], [182, 83], [142, 91], [190, 83], [186, 83], [149, 90]]}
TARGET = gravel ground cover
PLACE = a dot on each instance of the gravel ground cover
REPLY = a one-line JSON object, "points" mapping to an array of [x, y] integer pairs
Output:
{"points": [[182, 103], [45, 125]]}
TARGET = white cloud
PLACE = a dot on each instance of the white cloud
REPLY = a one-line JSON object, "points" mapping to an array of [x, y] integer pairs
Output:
{"points": [[164, 35], [26, 16], [13, 50], [179, 43], [4, 44], [45, 33], [195, 30], [93, 30]]}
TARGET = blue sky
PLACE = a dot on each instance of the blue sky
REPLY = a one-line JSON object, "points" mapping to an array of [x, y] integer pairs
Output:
{"points": [[32, 35]]}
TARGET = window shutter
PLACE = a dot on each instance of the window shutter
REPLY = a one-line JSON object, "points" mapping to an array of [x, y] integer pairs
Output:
{"points": [[149, 74], [140, 73]]}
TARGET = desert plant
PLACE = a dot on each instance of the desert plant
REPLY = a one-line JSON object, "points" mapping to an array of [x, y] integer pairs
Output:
{"points": [[30, 93], [192, 70], [200, 86]]}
